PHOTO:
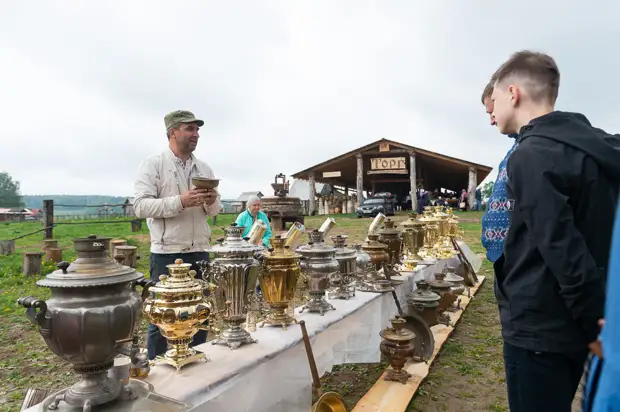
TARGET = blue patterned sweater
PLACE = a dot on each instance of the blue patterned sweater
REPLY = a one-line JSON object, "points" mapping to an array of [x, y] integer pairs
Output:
{"points": [[496, 219]]}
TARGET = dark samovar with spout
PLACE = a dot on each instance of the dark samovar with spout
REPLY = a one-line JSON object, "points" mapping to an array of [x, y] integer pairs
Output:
{"points": [[91, 318]]}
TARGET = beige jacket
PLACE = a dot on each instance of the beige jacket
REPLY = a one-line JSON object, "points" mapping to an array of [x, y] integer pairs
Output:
{"points": [[158, 189]]}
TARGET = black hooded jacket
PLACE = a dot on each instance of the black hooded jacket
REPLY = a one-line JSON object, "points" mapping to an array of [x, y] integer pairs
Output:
{"points": [[563, 181]]}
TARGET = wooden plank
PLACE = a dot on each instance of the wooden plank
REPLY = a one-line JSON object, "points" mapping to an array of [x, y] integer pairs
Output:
{"points": [[386, 396]]}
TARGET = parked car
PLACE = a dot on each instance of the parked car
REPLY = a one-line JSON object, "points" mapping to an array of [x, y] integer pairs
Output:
{"points": [[373, 206]]}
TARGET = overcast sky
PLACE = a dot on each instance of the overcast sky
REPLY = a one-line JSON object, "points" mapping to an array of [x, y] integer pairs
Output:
{"points": [[281, 85]]}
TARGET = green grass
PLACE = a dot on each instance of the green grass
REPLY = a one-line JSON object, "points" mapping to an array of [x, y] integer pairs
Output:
{"points": [[25, 360]]}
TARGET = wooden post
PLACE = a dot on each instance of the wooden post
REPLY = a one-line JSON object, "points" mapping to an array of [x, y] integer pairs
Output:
{"points": [[414, 184], [54, 254], [114, 243], [7, 247], [48, 218], [312, 195], [31, 263], [345, 204], [277, 223], [130, 254], [471, 187], [48, 243], [360, 178]]}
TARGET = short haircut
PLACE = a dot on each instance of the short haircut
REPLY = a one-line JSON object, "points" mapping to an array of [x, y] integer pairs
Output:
{"points": [[488, 90], [538, 72]]}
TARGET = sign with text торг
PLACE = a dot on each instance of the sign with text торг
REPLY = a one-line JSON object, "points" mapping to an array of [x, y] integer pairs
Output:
{"points": [[388, 165]]}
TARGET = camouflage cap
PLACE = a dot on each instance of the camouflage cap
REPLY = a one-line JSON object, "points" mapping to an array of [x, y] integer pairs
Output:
{"points": [[173, 119]]}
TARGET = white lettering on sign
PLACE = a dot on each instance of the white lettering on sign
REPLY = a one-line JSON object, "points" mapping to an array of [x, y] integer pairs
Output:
{"points": [[388, 163]]}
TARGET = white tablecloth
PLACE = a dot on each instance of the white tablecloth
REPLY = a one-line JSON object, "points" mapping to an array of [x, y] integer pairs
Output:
{"points": [[273, 374]]}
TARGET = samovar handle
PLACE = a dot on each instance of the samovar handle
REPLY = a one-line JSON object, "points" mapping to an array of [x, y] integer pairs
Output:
{"points": [[146, 285], [32, 304]]}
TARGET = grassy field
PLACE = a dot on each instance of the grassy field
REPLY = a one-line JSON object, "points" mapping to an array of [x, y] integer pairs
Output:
{"points": [[468, 375]]}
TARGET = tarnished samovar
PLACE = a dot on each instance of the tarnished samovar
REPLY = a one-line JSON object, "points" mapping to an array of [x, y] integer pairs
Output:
{"points": [[377, 251], [425, 302], [179, 308], [319, 263], [379, 258], [343, 283], [279, 272], [234, 272], [444, 289], [391, 237], [92, 315], [397, 346]]}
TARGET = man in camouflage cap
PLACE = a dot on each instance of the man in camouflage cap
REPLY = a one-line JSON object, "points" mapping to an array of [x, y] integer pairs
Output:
{"points": [[176, 213]]}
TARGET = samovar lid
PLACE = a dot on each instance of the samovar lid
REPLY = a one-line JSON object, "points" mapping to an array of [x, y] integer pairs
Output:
{"points": [[278, 251], [423, 293], [440, 282], [180, 279], [453, 277], [316, 246], [397, 332], [92, 267], [389, 229], [342, 251], [373, 243], [234, 244]]}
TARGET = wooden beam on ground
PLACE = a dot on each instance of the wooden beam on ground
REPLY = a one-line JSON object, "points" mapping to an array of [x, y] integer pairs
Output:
{"points": [[387, 396]]}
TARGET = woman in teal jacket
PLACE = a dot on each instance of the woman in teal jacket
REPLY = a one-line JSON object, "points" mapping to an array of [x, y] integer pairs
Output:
{"points": [[249, 216]]}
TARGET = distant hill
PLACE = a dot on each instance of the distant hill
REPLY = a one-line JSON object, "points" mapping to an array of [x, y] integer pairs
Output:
{"points": [[78, 202]]}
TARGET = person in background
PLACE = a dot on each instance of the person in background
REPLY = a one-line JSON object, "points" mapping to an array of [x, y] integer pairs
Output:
{"points": [[249, 216], [175, 213], [478, 205], [602, 393], [496, 218], [463, 200], [563, 192]]}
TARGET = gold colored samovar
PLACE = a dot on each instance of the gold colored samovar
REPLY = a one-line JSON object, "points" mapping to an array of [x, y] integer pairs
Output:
{"points": [[431, 235], [278, 277], [413, 240], [179, 309]]}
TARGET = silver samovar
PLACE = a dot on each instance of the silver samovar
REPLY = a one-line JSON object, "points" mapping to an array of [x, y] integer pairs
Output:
{"points": [[92, 316], [319, 263], [343, 283], [234, 272]]}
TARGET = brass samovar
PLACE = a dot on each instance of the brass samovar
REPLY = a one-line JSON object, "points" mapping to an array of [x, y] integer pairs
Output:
{"points": [[92, 316], [278, 277], [178, 308], [413, 240], [379, 260], [234, 272], [343, 283], [397, 346], [431, 235], [391, 237], [319, 263]]}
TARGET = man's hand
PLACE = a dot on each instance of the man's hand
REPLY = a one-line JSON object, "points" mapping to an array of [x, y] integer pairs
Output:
{"points": [[597, 346], [210, 197], [195, 197]]}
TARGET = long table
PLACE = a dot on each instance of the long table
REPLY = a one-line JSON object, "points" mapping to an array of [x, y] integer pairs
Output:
{"points": [[273, 375]]}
